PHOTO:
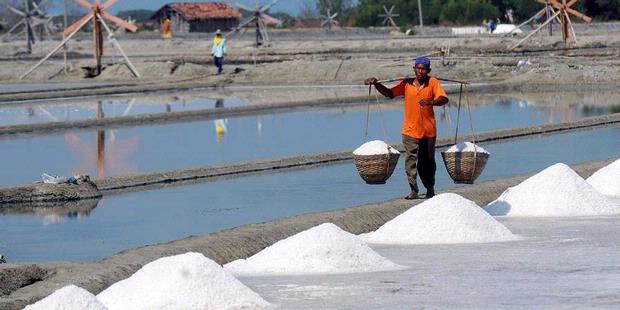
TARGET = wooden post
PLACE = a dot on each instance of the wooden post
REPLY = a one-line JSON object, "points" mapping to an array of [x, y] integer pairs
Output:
{"points": [[420, 13], [64, 47], [98, 39]]}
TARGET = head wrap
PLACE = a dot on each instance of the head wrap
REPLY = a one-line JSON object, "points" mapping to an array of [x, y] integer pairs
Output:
{"points": [[423, 61]]}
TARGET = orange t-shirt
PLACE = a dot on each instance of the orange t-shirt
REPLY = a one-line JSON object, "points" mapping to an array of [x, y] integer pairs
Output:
{"points": [[419, 120]]}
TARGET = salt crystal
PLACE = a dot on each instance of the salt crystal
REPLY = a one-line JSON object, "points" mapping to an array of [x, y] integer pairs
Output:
{"points": [[466, 147], [68, 298], [555, 191], [375, 147], [607, 179], [445, 218], [188, 281], [320, 250]]}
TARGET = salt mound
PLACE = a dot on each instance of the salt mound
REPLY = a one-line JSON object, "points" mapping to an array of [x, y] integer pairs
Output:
{"points": [[555, 191], [607, 179], [68, 298], [188, 281], [322, 249], [466, 147], [375, 147], [445, 218]]}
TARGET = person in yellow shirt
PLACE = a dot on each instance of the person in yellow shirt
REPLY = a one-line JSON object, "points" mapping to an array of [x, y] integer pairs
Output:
{"points": [[419, 131], [218, 51]]}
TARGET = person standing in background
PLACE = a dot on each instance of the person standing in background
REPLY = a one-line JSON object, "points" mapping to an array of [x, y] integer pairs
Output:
{"points": [[218, 51]]}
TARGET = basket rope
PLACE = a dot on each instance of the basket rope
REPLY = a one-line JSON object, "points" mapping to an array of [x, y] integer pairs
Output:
{"points": [[368, 114], [471, 124]]}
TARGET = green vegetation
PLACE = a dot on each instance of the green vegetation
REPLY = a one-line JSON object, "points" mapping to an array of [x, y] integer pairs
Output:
{"points": [[469, 12]]}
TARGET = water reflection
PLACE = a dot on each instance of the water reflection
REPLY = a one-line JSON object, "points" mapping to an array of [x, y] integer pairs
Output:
{"points": [[115, 160], [53, 212], [220, 124], [71, 110]]}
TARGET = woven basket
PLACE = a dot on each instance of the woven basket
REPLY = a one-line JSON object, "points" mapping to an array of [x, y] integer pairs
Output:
{"points": [[376, 169], [464, 167]]}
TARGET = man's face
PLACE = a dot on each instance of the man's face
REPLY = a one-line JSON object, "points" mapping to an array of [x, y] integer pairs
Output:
{"points": [[421, 72]]}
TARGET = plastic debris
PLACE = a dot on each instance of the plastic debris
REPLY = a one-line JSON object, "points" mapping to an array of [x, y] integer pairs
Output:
{"points": [[53, 179]]}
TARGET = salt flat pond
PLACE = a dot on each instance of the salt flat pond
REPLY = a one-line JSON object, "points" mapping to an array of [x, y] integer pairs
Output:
{"points": [[111, 152], [136, 219]]}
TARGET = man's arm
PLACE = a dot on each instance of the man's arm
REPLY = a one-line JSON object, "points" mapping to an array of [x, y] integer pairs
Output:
{"points": [[439, 101], [380, 87]]}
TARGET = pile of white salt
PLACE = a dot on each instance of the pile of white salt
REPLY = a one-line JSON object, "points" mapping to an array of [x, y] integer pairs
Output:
{"points": [[555, 191], [324, 249], [445, 218]]}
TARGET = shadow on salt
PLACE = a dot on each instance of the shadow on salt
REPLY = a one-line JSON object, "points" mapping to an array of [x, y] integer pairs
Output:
{"points": [[444, 219], [557, 191]]}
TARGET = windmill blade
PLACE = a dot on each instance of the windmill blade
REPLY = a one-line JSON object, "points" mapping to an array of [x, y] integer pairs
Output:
{"points": [[267, 6], [37, 7], [14, 27], [391, 9], [16, 11], [243, 7], [119, 21], [334, 16], [85, 4], [36, 10], [108, 4], [77, 24], [38, 20], [579, 15], [268, 18], [243, 24]]}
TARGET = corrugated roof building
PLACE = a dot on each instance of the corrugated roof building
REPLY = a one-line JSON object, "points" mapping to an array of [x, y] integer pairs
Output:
{"points": [[199, 16]]}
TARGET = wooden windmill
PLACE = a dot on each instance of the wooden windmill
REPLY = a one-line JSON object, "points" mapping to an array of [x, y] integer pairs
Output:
{"points": [[30, 18], [388, 17], [329, 20], [98, 14], [260, 17], [558, 11]]}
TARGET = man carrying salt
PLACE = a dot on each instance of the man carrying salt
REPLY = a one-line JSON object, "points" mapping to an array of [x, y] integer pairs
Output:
{"points": [[419, 131]]}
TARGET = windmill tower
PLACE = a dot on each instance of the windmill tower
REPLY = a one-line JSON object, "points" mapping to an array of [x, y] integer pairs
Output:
{"points": [[558, 11], [98, 15], [30, 18], [388, 17], [329, 20], [260, 17]]}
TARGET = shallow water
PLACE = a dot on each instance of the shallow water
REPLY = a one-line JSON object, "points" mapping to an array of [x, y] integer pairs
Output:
{"points": [[142, 218], [120, 151]]}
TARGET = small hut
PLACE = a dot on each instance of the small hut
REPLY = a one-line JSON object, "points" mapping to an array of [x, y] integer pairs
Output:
{"points": [[198, 16]]}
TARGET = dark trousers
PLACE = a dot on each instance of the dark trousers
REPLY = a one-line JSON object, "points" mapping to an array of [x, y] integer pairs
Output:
{"points": [[219, 63], [420, 158]]}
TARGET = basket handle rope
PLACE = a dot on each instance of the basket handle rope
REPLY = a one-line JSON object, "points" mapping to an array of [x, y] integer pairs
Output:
{"points": [[471, 123], [368, 114]]}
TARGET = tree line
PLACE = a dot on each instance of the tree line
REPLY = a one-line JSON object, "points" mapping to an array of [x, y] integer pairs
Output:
{"points": [[365, 13]]}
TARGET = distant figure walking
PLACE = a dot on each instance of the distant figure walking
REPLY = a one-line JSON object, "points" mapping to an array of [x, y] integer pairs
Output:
{"points": [[166, 31], [218, 51], [492, 26]]}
